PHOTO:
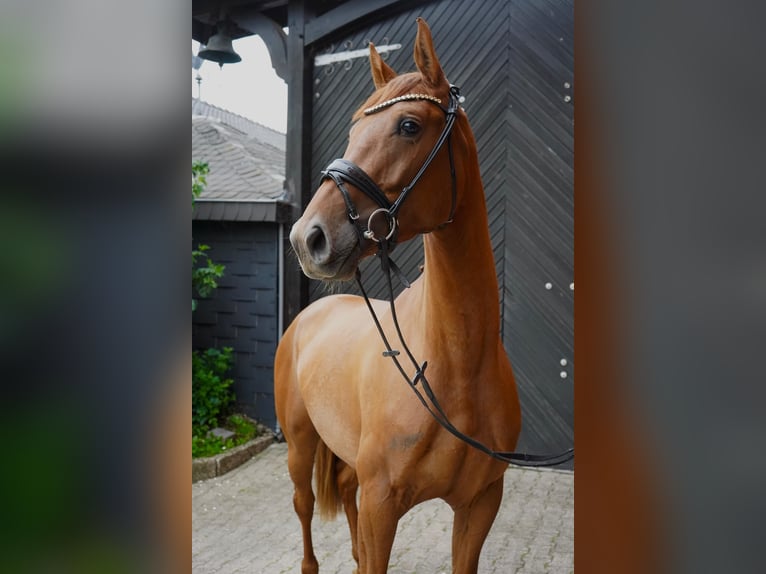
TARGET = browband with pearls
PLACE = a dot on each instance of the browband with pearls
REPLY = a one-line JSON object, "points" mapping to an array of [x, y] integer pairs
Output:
{"points": [[387, 103]]}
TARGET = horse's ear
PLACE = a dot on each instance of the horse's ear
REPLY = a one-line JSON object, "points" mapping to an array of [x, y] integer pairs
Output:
{"points": [[425, 56], [381, 72]]}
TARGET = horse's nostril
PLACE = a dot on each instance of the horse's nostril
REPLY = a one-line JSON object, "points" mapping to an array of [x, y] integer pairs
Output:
{"points": [[316, 242]]}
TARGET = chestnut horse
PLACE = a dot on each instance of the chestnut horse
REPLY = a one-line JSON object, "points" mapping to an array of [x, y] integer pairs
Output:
{"points": [[343, 405]]}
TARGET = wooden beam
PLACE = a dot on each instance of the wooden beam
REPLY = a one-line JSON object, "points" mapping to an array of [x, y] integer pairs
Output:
{"points": [[201, 31], [298, 152], [349, 13], [214, 6], [255, 22]]}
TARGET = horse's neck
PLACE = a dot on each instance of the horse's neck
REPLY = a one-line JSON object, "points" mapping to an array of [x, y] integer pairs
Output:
{"points": [[460, 293]]}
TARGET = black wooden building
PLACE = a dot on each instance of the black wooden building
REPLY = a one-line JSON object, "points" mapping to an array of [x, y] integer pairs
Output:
{"points": [[514, 62], [240, 216]]}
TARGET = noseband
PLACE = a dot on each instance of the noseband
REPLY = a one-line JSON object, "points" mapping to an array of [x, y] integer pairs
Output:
{"points": [[343, 171]]}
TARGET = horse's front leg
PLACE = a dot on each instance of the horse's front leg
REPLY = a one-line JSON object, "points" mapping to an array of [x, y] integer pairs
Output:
{"points": [[379, 512], [471, 526]]}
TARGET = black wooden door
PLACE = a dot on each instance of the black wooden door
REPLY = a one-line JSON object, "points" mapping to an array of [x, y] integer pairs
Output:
{"points": [[514, 63]]}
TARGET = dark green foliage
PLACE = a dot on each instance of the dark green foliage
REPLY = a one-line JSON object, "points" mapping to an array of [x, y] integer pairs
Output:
{"points": [[208, 445], [211, 389], [211, 392], [204, 275], [199, 181], [204, 270], [244, 428]]}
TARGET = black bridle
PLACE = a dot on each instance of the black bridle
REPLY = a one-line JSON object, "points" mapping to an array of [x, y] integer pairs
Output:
{"points": [[343, 171]]}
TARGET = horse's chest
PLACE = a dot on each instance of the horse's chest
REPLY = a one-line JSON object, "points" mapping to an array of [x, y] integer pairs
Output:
{"points": [[433, 462]]}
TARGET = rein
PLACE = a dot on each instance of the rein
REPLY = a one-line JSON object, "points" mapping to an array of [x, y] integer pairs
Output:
{"points": [[340, 171]]}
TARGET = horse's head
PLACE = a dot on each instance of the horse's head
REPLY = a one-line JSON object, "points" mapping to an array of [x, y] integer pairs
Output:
{"points": [[391, 139]]}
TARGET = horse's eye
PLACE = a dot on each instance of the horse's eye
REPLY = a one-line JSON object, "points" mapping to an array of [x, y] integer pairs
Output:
{"points": [[409, 127]]}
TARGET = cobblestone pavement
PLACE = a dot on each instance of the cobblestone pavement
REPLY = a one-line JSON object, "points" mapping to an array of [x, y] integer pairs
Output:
{"points": [[243, 522]]}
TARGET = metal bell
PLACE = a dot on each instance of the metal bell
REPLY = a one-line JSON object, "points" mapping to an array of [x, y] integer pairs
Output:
{"points": [[219, 49]]}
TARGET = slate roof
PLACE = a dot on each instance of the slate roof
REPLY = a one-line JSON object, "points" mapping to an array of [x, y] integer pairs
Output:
{"points": [[247, 166], [267, 135]]}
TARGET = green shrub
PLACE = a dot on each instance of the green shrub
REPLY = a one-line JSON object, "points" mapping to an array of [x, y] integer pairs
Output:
{"points": [[205, 271], [200, 169], [209, 445], [244, 428], [204, 444], [211, 390]]}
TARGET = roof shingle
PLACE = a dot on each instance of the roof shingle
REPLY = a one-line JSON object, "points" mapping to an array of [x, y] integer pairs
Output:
{"points": [[246, 160]]}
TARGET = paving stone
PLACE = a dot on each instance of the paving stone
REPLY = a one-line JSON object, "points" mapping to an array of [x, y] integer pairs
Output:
{"points": [[243, 522]]}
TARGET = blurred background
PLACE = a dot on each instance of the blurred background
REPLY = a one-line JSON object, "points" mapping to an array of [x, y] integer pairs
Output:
{"points": [[669, 261]]}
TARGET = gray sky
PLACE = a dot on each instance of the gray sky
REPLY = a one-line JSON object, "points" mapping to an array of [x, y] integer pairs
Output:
{"points": [[249, 88]]}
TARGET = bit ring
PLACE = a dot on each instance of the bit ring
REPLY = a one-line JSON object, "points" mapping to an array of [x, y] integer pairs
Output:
{"points": [[370, 234]]}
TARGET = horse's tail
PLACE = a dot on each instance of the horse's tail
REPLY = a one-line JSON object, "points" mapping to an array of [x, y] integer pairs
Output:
{"points": [[325, 472]]}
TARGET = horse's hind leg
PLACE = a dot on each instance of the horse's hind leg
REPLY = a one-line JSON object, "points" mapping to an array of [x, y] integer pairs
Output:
{"points": [[471, 526], [300, 463], [347, 486], [302, 440]]}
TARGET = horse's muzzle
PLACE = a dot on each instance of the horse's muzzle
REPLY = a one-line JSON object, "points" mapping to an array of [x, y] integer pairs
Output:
{"points": [[323, 254]]}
